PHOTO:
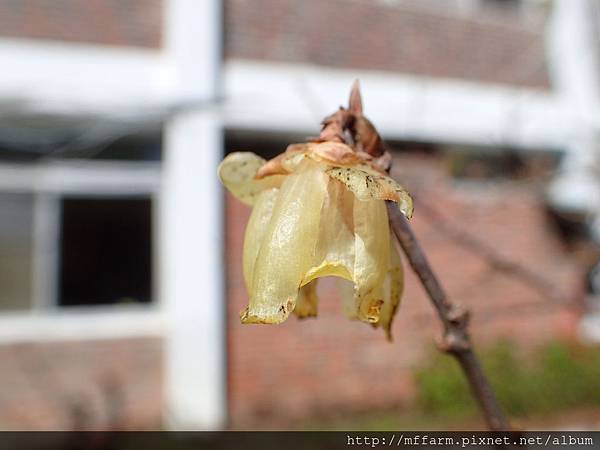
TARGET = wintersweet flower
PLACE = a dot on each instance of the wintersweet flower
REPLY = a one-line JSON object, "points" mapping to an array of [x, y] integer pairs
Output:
{"points": [[318, 210]]}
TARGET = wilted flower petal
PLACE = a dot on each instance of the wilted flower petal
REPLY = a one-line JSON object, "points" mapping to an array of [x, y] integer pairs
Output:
{"points": [[256, 230], [393, 294], [308, 302], [287, 251], [319, 211], [334, 252], [372, 247], [367, 184], [237, 172]]}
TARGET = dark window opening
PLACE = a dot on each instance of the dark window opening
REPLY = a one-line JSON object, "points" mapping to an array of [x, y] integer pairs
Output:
{"points": [[106, 251], [499, 163]]}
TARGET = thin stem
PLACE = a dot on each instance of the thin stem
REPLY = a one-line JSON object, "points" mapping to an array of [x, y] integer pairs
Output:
{"points": [[455, 320]]}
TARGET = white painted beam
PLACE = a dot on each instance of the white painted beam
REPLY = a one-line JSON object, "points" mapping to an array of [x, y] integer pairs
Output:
{"points": [[191, 225], [76, 324], [574, 63], [191, 269], [74, 79], [286, 97], [52, 77], [82, 177]]}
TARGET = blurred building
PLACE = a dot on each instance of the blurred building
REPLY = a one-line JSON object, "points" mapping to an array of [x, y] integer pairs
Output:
{"points": [[118, 307]]}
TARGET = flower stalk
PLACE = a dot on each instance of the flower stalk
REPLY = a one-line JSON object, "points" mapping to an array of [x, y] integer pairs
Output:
{"points": [[456, 339], [321, 208]]}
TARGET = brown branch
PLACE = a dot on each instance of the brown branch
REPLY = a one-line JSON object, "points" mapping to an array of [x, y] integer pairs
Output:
{"points": [[456, 339], [455, 320]]}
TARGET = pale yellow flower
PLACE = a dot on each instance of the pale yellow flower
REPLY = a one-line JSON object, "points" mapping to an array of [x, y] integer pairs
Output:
{"points": [[318, 210]]}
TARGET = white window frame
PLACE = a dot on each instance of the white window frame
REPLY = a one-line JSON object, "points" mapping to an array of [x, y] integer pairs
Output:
{"points": [[73, 80], [48, 182]]}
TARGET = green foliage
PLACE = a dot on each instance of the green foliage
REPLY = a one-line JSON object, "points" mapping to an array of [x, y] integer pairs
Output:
{"points": [[557, 377]]}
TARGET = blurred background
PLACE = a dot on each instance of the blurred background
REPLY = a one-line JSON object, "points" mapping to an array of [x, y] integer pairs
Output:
{"points": [[120, 253]]}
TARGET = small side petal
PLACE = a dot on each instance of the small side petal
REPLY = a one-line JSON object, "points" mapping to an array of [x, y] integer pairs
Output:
{"points": [[372, 247], [237, 172], [393, 294], [308, 302], [368, 184]]}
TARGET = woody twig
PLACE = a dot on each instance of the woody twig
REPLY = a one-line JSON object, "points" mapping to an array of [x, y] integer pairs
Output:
{"points": [[352, 127]]}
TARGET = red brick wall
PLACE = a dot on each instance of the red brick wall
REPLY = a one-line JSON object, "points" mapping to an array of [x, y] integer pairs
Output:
{"points": [[134, 23], [81, 385], [340, 33], [322, 365], [370, 35], [331, 364]]}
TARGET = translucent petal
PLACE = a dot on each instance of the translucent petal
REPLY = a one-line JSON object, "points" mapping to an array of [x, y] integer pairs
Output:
{"points": [[334, 254], [256, 230], [288, 247], [368, 184], [308, 302], [237, 172], [385, 298], [393, 292], [372, 247]]}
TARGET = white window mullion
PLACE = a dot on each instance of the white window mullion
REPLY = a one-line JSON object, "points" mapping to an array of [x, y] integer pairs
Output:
{"points": [[46, 241]]}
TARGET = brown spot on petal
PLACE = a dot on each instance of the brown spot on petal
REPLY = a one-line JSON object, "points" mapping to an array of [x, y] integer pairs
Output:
{"points": [[374, 311]]}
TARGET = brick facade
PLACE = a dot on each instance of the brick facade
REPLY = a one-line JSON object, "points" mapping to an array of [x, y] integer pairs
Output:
{"points": [[330, 364], [355, 34], [327, 365], [135, 23], [298, 368], [89, 385], [371, 35]]}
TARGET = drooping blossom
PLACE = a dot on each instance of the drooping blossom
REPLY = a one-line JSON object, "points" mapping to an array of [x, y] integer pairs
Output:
{"points": [[318, 210]]}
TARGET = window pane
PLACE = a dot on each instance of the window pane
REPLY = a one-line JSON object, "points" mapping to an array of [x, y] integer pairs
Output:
{"points": [[106, 251], [16, 219]]}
